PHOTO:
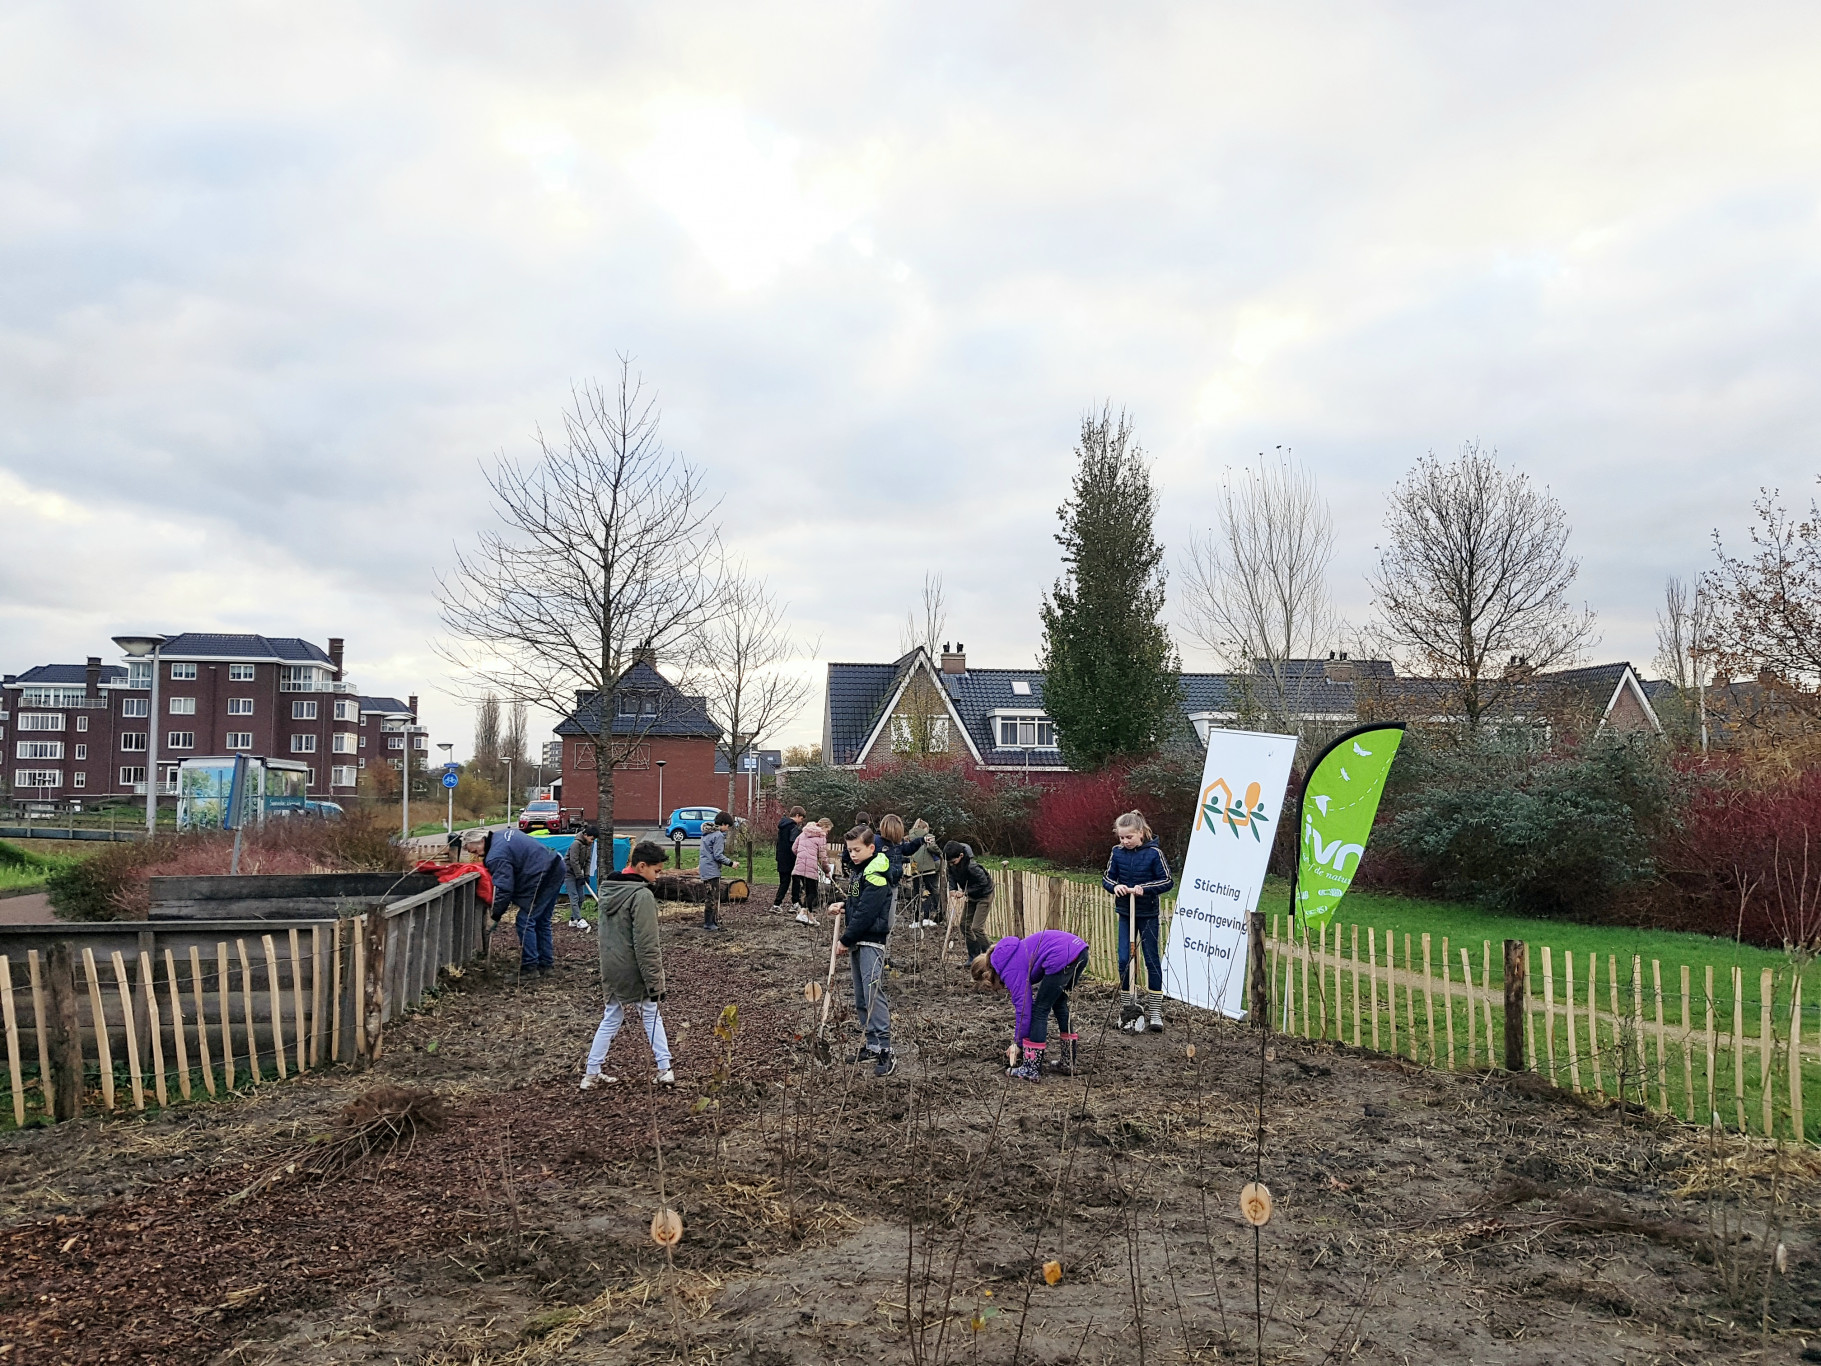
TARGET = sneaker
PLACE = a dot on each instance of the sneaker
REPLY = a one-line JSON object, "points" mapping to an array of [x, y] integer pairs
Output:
{"points": [[1154, 1021], [1026, 1071], [886, 1066], [1135, 1025], [866, 1054], [578, 924], [594, 1079], [713, 925], [667, 1077], [804, 919]]}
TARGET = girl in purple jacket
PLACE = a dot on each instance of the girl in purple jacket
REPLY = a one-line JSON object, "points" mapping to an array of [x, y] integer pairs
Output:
{"points": [[1038, 971]]}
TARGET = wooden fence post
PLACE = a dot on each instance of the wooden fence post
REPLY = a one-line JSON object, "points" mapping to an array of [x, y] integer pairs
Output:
{"points": [[1258, 972], [1517, 978], [1017, 897], [372, 989], [65, 1034]]}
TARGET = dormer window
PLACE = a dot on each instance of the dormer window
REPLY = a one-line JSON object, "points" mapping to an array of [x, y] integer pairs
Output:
{"points": [[637, 704], [1026, 732], [1021, 687]]}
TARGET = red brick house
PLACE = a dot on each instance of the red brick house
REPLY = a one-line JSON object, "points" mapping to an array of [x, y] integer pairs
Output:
{"points": [[665, 726]]}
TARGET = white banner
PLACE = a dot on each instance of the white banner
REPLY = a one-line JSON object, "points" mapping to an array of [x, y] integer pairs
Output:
{"points": [[1240, 808]]}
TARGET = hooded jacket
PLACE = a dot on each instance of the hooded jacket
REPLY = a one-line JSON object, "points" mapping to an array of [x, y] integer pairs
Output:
{"points": [[1144, 868], [518, 863], [969, 878], [788, 830], [808, 848], [867, 911], [632, 961], [1022, 963], [711, 857]]}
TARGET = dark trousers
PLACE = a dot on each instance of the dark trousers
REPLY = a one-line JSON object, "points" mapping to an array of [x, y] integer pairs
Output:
{"points": [[973, 926], [787, 884], [1052, 998], [1147, 940], [805, 891], [536, 943], [711, 901], [922, 896]]}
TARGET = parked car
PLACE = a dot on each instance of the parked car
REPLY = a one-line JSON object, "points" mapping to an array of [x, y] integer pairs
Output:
{"points": [[328, 811], [687, 822], [542, 815]]}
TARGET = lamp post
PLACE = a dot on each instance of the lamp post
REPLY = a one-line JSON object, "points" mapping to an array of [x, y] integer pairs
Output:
{"points": [[509, 796], [661, 763], [449, 825], [138, 647]]}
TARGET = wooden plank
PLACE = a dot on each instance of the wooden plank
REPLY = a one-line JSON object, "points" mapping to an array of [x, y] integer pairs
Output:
{"points": [[1574, 1061], [1593, 1022], [315, 995], [125, 986], [357, 985], [202, 1021], [1302, 958], [1372, 979], [177, 1039], [1410, 998], [15, 1073], [1656, 975], [297, 1005], [246, 1011], [335, 990], [1713, 1113], [1529, 1011], [1486, 995], [1798, 1127], [40, 1021], [148, 987], [1428, 999], [1467, 980], [1321, 981], [224, 993], [1356, 1021], [1621, 1063], [103, 1050], [1391, 986], [1549, 1013], [1448, 1006], [1767, 1038], [1738, 1044], [1688, 1068], [1288, 956], [275, 991]]}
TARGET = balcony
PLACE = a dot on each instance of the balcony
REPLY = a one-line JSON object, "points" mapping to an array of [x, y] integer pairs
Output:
{"points": [[61, 701]]}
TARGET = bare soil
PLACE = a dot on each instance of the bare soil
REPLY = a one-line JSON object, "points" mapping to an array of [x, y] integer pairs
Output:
{"points": [[828, 1216]]}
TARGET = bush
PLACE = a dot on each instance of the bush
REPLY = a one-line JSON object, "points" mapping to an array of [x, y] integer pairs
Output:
{"points": [[1553, 836], [960, 803]]}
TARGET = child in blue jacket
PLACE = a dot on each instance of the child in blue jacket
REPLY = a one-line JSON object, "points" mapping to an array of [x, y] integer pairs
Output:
{"points": [[1137, 867]]}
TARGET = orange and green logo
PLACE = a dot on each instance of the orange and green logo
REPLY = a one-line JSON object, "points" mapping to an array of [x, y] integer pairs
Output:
{"points": [[1220, 807]]}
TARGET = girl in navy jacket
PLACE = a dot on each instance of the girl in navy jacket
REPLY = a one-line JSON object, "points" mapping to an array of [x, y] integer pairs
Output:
{"points": [[1137, 867]]}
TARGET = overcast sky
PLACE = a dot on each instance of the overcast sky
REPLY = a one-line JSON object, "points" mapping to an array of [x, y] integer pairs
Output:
{"points": [[275, 278]]}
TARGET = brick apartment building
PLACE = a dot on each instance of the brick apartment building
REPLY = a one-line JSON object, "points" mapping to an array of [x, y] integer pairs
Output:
{"points": [[79, 732]]}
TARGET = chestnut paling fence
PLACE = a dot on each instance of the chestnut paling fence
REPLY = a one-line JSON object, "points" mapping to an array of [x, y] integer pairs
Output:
{"points": [[1691, 1040], [125, 1015]]}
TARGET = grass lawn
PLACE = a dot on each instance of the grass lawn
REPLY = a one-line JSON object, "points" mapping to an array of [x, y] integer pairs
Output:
{"points": [[21, 867]]}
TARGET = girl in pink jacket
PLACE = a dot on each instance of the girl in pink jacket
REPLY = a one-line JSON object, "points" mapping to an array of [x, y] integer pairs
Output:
{"points": [[806, 876]]}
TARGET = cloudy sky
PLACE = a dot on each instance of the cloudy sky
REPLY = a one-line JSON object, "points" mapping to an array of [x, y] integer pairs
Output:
{"points": [[274, 279]]}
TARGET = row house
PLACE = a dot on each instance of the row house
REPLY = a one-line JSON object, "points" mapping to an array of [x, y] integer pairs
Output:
{"points": [[83, 732]]}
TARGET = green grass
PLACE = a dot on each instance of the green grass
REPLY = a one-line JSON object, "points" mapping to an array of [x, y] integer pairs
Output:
{"points": [[20, 867]]}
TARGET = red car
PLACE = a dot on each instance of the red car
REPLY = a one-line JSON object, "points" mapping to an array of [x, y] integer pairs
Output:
{"points": [[542, 816]]}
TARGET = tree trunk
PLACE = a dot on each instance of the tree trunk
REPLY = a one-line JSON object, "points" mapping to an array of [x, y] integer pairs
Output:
{"points": [[603, 789]]}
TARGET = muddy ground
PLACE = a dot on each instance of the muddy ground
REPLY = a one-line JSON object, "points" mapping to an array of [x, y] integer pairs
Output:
{"points": [[1418, 1216]]}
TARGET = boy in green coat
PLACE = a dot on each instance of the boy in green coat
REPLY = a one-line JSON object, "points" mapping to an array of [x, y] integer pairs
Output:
{"points": [[632, 962]]}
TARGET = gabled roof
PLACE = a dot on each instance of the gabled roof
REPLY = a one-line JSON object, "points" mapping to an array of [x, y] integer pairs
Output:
{"points": [[856, 695], [384, 706], [678, 714], [273, 649], [66, 674], [978, 694]]}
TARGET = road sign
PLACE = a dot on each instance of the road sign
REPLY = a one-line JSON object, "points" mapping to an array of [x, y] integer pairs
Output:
{"points": [[451, 778]]}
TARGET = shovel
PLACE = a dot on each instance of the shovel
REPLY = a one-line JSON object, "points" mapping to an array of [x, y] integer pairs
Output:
{"points": [[822, 1051], [1130, 1010]]}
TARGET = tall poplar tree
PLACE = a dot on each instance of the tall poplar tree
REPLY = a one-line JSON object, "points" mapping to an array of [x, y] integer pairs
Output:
{"points": [[1110, 680]]}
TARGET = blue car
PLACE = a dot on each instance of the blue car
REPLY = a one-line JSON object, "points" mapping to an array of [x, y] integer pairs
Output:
{"points": [[687, 822]]}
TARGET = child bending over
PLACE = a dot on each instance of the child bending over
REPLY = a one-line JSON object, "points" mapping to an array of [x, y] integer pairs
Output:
{"points": [[1038, 971]]}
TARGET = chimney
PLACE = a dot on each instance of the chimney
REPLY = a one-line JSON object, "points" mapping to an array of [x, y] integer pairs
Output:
{"points": [[1338, 670], [93, 677], [335, 656], [954, 661], [645, 654], [411, 702]]}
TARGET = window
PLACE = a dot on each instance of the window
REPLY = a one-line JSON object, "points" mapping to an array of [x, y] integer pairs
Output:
{"points": [[240, 673], [311, 780], [79, 780], [342, 775], [130, 776], [82, 723], [363, 763], [41, 720], [1027, 732], [135, 706], [420, 742], [183, 706], [180, 739], [240, 739], [181, 671], [303, 744], [363, 739], [131, 740], [342, 742], [55, 697], [139, 675], [1020, 688], [82, 751], [303, 711], [240, 706], [637, 704], [346, 709], [40, 749], [298, 678], [37, 777], [395, 742]]}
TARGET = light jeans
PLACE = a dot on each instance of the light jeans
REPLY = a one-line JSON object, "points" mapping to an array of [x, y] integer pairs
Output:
{"points": [[578, 892], [615, 1016], [870, 1005]]}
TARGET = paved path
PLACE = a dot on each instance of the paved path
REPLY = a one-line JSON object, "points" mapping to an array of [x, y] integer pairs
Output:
{"points": [[34, 909]]}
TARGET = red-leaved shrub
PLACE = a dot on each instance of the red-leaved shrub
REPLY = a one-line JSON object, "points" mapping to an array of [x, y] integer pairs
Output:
{"points": [[1073, 825]]}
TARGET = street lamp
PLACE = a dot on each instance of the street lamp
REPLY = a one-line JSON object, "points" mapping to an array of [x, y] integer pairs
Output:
{"points": [[138, 647], [661, 763], [446, 747]]}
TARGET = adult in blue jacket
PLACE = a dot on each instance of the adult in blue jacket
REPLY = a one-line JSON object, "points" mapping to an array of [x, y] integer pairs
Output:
{"points": [[1137, 871], [529, 872]]}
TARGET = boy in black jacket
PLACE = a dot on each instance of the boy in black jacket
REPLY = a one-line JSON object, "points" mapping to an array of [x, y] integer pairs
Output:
{"points": [[868, 910], [975, 885]]}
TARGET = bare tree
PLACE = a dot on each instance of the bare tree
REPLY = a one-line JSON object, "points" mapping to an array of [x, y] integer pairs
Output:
{"points": [[1256, 589], [607, 553], [1685, 643], [925, 623], [1768, 607], [487, 736], [1472, 583], [746, 670], [517, 732]]}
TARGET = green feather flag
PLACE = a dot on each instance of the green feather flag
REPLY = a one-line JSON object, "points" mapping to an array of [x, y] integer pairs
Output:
{"points": [[1334, 818]]}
